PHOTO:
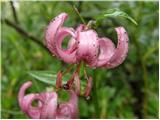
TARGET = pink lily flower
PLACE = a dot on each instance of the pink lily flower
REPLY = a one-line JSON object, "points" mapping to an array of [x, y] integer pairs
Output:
{"points": [[85, 44], [47, 107]]}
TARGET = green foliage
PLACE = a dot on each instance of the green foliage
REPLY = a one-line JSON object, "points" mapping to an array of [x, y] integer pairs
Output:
{"points": [[115, 13], [48, 77], [128, 91]]}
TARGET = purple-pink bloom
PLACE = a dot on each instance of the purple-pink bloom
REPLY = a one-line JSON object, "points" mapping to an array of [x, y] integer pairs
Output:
{"points": [[85, 44], [48, 107]]}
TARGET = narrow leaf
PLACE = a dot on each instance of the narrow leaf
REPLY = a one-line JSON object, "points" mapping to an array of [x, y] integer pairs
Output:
{"points": [[48, 77], [115, 13]]}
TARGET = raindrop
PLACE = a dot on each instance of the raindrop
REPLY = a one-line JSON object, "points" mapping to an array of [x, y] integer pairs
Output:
{"points": [[88, 98], [65, 86]]}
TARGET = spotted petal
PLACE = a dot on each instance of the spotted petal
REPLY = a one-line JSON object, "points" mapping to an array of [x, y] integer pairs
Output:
{"points": [[107, 49], [51, 31], [54, 36], [87, 46], [66, 55], [121, 50]]}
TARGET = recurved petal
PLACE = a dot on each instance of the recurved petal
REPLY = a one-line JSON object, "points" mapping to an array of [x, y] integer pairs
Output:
{"points": [[26, 100], [121, 50], [21, 95], [88, 87], [106, 51], [71, 45], [66, 55], [77, 84], [51, 31], [33, 112]]}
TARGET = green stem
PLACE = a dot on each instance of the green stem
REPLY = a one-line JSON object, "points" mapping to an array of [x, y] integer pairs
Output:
{"points": [[68, 69], [95, 95], [145, 89], [76, 10]]}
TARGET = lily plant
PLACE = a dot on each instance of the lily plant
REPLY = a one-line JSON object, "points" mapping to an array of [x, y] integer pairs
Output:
{"points": [[84, 46]]}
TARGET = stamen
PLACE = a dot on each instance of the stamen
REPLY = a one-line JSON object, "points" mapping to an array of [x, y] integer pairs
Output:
{"points": [[78, 67], [88, 88], [71, 80], [77, 84], [59, 80]]}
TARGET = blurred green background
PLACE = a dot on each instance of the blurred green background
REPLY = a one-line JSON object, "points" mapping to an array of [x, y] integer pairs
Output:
{"points": [[128, 91]]}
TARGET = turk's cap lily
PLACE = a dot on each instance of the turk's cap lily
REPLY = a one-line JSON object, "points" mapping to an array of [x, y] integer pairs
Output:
{"points": [[85, 44], [48, 106]]}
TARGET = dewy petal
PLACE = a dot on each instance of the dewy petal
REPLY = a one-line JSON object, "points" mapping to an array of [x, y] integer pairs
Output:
{"points": [[121, 50], [51, 31], [66, 55], [107, 49], [21, 96], [69, 110], [87, 46]]}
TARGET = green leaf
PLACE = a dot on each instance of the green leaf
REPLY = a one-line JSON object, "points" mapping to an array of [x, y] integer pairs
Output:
{"points": [[115, 13], [48, 77]]}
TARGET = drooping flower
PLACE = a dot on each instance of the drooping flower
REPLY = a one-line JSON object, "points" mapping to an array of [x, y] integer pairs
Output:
{"points": [[48, 107], [85, 44]]}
